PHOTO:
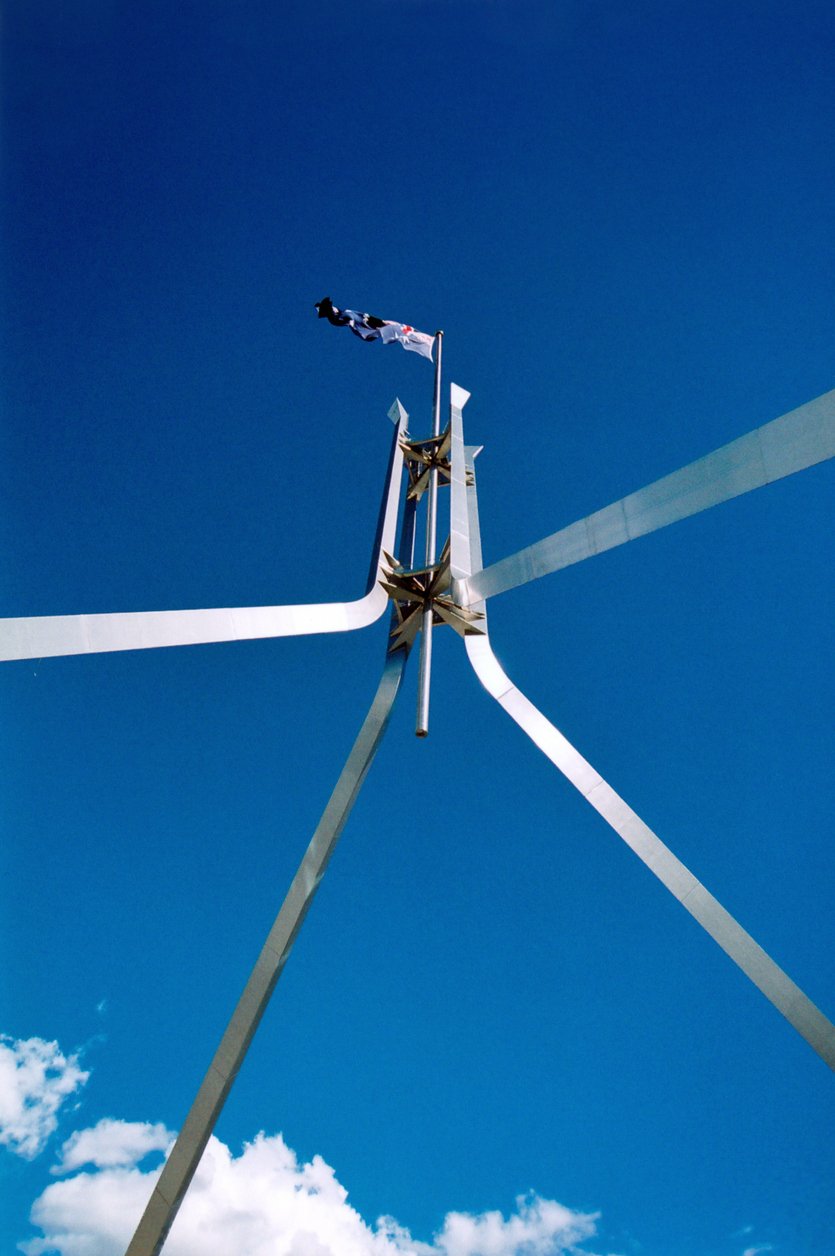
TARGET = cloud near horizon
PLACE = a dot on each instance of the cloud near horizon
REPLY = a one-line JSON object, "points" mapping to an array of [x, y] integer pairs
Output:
{"points": [[263, 1202], [36, 1079]]}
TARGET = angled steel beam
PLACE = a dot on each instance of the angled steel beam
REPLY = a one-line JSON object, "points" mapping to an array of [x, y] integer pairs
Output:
{"points": [[182, 1163], [43, 636], [797, 440], [670, 871]]}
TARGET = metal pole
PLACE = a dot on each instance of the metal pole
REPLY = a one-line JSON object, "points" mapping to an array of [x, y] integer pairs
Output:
{"points": [[425, 671]]}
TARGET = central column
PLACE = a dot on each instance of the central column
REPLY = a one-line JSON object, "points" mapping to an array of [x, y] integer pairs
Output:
{"points": [[424, 674]]}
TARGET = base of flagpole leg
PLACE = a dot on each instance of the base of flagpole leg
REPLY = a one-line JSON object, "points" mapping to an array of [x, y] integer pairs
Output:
{"points": [[424, 675]]}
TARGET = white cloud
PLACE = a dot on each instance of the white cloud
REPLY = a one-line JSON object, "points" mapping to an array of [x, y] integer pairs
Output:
{"points": [[112, 1144], [539, 1227], [263, 1202], [36, 1078], [757, 1251]]}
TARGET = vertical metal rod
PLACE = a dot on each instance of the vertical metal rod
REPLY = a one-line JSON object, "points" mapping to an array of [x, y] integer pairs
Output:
{"points": [[425, 671]]}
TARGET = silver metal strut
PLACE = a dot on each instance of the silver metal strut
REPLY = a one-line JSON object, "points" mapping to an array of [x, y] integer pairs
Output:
{"points": [[42, 636], [185, 1156], [797, 440], [670, 871]]}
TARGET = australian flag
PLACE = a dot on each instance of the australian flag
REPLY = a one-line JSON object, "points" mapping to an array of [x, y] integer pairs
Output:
{"points": [[367, 327]]}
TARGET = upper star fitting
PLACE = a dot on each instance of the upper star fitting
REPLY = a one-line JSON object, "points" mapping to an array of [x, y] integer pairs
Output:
{"points": [[413, 591], [422, 457]]}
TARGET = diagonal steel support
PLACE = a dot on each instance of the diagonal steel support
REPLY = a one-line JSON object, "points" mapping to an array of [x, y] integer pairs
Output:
{"points": [[44, 636], [787, 997], [185, 1156], [800, 439]]}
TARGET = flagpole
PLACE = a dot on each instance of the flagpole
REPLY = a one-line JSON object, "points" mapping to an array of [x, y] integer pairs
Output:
{"points": [[424, 673]]}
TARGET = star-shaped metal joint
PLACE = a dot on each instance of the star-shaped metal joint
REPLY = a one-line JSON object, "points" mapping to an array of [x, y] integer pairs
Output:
{"points": [[422, 457], [413, 591]]}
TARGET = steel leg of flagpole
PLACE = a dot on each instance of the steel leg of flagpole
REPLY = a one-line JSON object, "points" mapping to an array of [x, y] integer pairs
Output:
{"points": [[800, 439], [45, 636], [185, 1156], [769, 978], [425, 670]]}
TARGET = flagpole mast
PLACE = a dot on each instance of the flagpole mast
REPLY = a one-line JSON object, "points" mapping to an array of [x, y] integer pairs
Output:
{"points": [[424, 674]]}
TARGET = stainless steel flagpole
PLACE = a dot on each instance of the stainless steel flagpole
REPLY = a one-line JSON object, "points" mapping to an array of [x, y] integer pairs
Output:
{"points": [[424, 674]]}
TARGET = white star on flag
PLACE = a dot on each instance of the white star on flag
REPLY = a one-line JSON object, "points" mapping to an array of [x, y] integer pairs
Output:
{"points": [[417, 341]]}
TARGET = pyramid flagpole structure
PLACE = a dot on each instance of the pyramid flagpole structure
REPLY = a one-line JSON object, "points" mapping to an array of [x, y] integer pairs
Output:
{"points": [[453, 589]]}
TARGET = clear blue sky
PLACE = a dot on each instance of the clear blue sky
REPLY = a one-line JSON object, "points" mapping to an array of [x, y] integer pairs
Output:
{"points": [[622, 217]]}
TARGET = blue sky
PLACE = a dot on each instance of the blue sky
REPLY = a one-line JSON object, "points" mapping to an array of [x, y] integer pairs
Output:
{"points": [[622, 218]]}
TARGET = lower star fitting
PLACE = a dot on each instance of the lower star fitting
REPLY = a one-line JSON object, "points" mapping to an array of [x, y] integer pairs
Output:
{"points": [[413, 591]]}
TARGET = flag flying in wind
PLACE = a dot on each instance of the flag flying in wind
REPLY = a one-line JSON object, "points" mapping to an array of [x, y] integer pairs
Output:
{"points": [[367, 327]]}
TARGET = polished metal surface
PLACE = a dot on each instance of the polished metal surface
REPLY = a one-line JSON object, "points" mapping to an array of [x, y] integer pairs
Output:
{"points": [[797, 440], [185, 1156], [47, 635], [711, 915]]}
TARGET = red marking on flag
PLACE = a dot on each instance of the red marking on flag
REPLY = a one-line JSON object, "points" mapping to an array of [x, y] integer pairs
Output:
{"points": [[405, 328]]}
